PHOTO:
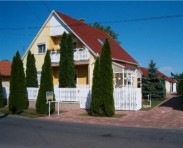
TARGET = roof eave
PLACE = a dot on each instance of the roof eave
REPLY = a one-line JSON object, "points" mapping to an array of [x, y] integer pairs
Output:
{"points": [[125, 62]]}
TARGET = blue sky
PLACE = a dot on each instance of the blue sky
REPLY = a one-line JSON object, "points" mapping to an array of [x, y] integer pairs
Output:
{"points": [[157, 39]]}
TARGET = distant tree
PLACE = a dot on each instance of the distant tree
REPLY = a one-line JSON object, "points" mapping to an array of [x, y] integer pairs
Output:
{"points": [[96, 103], [66, 65], [46, 85], [153, 84], [18, 100], [145, 87], [179, 78], [108, 30], [1, 93], [31, 72]]}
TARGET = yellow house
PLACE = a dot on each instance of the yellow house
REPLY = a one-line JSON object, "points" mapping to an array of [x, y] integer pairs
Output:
{"points": [[87, 42]]}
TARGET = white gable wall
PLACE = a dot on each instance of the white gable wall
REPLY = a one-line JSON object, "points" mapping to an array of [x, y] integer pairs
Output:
{"points": [[56, 26]]}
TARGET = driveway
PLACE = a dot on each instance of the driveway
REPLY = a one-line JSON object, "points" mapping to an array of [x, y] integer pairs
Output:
{"points": [[167, 115]]}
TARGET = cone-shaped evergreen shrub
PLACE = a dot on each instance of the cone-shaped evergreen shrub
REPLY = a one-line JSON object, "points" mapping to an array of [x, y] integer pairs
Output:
{"points": [[18, 100], [46, 85], [71, 70], [63, 71], [106, 79], [31, 72], [66, 65], [1, 93], [96, 103]]}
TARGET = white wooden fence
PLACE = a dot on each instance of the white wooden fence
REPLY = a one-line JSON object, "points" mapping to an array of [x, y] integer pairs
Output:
{"points": [[124, 98]]}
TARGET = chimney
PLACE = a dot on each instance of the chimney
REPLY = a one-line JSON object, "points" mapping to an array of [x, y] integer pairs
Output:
{"points": [[82, 20]]}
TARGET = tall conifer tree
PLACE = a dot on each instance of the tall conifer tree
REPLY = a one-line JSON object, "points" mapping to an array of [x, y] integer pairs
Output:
{"points": [[46, 85], [31, 72], [66, 65], [63, 72], [96, 103], [71, 70], [18, 100], [106, 79], [152, 84]]}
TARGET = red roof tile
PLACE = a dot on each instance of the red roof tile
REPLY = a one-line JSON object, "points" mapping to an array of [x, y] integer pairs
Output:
{"points": [[91, 36], [160, 74], [5, 68]]}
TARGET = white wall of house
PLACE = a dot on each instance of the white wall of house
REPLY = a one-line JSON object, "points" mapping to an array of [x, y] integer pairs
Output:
{"points": [[56, 26], [5, 83], [168, 86], [174, 87]]}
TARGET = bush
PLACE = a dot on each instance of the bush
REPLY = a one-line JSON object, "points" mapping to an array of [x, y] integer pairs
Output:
{"points": [[96, 102], [18, 100], [31, 72], [102, 90], [46, 85], [66, 65]]}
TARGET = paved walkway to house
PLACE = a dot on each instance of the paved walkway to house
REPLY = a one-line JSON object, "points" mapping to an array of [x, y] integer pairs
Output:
{"points": [[166, 115]]}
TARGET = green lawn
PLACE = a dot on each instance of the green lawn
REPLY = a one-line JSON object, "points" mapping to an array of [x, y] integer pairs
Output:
{"points": [[154, 103], [30, 113]]}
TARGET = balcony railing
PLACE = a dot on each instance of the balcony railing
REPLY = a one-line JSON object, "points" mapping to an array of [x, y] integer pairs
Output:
{"points": [[80, 54]]}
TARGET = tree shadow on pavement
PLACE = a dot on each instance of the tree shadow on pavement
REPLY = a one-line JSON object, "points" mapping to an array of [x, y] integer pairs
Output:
{"points": [[3, 116], [175, 103]]}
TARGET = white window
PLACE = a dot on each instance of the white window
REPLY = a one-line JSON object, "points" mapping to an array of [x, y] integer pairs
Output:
{"points": [[41, 48]]}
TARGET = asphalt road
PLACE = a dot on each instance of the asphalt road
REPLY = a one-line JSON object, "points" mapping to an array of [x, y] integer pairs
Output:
{"points": [[35, 133]]}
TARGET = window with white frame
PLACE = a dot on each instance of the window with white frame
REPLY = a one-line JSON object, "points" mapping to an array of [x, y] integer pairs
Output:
{"points": [[41, 48]]}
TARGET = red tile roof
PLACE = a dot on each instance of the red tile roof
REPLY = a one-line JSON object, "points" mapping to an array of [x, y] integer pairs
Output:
{"points": [[5, 68], [144, 71], [91, 36], [160, 74]]}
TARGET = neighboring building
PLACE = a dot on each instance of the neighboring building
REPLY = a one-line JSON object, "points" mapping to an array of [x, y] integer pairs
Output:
{"points": [[87, 42], [170, 84], [5, 71]]}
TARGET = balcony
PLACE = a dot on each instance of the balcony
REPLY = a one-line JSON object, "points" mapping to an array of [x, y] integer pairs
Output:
{"points": [[80, 54]]}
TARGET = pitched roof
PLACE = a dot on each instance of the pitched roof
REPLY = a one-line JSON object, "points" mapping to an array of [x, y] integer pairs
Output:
{"points": [[160, 74], [91, 37], [5, 68]]}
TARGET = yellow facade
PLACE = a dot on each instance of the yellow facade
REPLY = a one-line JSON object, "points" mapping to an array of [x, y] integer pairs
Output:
{"points": [[54, 43], [43, 37], [55, 75], [81, 72]]}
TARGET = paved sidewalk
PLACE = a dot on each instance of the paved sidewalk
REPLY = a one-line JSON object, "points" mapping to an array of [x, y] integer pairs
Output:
{"points": [[167, 115]]}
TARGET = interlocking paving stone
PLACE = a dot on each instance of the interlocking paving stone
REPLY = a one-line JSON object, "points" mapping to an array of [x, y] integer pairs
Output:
{"points": [[164, 116]]}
